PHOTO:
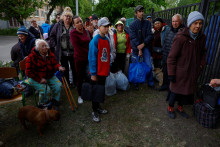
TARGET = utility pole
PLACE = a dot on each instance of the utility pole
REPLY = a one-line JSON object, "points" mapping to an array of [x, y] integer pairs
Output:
{"points": [[77, 10], [92, 4]]}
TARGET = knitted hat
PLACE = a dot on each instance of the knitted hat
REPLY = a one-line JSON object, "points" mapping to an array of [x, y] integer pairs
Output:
{"points": [[22, 30], [194, 16], [158, 19]]}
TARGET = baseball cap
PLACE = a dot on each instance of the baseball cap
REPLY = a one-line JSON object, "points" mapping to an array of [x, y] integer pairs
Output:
{"points": [[103, 22], [139, 7]]}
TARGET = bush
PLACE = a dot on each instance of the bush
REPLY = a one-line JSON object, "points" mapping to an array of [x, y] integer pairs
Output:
{"points": [[5, 64], [9, 32]]}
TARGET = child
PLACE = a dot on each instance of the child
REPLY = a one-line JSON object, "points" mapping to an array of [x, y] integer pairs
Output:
{"points": [[99, 64]]}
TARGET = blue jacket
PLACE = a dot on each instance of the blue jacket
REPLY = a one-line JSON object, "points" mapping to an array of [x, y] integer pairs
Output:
{"points": [[140, 32], [45, 27]]}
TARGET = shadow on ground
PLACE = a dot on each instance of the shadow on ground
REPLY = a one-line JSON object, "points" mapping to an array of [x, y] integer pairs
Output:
{"points": [[136, 118]]}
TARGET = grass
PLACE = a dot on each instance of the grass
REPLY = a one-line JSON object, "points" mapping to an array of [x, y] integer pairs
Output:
{"points": [[136, 118], [9, 32]]}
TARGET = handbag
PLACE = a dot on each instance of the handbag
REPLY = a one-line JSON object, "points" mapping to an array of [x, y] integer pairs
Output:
{"points": [[92, 91], [210, 95], [138, 71]]}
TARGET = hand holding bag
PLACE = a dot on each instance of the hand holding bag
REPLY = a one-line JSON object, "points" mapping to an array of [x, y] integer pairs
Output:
{"points": [[138, 71]]}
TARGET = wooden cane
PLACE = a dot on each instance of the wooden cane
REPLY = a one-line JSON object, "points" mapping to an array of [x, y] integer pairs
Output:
{"points": [[70, 92], [67, 93]]}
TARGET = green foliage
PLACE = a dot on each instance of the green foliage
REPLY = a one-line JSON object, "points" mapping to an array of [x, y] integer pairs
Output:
{"points": [[9, 32], [188, 2], [5, 64], [19, 9], [114, 9]]}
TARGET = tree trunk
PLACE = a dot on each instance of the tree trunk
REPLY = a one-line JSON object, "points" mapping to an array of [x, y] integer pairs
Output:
{"points": [[50, 11]]}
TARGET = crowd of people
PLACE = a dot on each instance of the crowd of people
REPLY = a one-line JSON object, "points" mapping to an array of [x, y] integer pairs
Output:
{"points": [[93, 49]]}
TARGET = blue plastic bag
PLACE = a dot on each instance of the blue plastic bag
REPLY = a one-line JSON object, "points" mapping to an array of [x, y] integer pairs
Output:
{"points": [[138, 71], [58, 74]]}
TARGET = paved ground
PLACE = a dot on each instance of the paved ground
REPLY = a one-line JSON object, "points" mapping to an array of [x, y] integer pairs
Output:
{"points": [[6, 43]]}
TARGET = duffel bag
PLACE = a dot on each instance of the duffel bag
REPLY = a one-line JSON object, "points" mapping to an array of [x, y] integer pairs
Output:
{"points": [[205, 116]]}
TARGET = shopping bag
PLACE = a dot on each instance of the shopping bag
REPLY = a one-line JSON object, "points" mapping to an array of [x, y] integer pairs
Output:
{"points": [[138, 71], [91, 91], [110, 85], [121, 81]]}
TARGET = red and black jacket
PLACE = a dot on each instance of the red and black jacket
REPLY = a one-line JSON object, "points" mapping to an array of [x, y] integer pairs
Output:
{"points": [[38, 68]]}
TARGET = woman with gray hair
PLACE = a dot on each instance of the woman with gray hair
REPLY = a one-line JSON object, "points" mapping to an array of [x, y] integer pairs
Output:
{"points": [[41, 66], [60, 40], [184, 63]]}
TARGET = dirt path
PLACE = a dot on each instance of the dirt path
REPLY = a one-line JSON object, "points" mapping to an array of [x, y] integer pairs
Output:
{"points": [[136, 118]]}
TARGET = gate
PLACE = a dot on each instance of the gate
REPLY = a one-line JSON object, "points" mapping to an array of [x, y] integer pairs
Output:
{"points": [[211, 28]]}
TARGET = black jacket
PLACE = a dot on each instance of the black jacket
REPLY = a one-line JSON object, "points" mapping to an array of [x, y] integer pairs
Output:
{"points": [[35, 32], [140, 32], [168, 41]]}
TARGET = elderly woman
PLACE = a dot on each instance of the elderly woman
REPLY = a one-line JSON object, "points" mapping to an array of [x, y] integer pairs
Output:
{"points": [[41, 66], [22, 49], [60, 40], [159, 31], [36, 30], [122, 45], [80, 39], [185, 60]]}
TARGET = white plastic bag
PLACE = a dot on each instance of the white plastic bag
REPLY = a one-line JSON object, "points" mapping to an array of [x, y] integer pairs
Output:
{"points": [[121, 81], [110, 85]]}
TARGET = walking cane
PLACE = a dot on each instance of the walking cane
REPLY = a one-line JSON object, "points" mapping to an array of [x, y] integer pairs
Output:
{"points": [[70, 92], [67, 93]]}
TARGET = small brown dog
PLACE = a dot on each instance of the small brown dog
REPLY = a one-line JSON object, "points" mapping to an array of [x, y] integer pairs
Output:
{"points": [[37, 116]]}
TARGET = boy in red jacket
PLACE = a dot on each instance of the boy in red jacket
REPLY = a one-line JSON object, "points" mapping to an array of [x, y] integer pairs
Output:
{"points": [[99, 65]]}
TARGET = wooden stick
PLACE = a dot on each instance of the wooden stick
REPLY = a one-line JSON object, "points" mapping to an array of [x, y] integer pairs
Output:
{"points": [[70, 92], [67, 94]]}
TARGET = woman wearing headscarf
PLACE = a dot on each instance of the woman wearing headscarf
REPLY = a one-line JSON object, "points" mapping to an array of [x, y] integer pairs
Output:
{"points": [[184, 63], [159, 31], [60, 40]]}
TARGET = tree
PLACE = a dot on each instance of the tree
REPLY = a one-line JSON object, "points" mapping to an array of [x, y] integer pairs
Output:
{"points": [[53, 3], [114, 9], [19, 9]]}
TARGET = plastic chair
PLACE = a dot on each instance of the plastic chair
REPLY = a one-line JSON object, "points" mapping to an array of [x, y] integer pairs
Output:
{"points": [[22, 66], [10, 72]]}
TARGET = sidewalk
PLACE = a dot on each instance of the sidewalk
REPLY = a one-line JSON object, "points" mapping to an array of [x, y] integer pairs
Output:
{"points": [[6, 43]]}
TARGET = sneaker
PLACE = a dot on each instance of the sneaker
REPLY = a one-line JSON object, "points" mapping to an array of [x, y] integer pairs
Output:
{"points": [[95, 117], [102, 111], [80, 100], [181, 112], [171, 112]]}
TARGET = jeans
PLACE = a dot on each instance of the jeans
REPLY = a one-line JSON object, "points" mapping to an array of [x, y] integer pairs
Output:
{"points": [[147, 59], [53, 86]]}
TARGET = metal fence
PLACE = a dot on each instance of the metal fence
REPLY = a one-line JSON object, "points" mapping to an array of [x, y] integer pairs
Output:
{"points": [[211, 29]]}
